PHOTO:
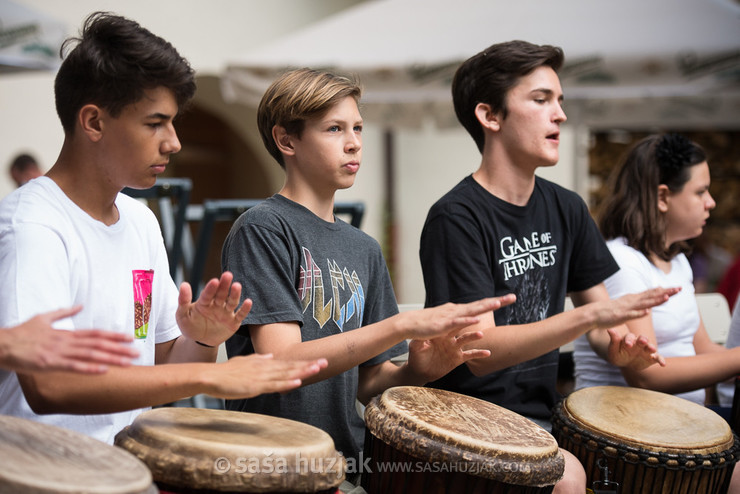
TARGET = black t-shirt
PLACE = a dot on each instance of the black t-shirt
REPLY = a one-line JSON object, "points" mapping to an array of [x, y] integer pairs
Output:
{"points": [[475, 245]]}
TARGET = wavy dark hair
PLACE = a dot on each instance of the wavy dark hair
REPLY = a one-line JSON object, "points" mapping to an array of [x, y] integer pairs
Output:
{"points": [[488, 76], [631, 210], [112, 64]]}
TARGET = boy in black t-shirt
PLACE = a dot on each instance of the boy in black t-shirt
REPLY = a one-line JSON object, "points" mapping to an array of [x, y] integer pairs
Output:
{"points": [[503, 230]]}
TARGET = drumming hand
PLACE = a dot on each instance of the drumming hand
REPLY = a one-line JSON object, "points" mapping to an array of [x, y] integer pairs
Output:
{"points": [[252, 375], [36, 346], [629, 350], [214, 317], [614, 312], [444, 319], [429, 360]]}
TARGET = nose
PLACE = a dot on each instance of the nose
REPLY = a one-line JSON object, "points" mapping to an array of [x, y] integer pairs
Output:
{"points": [[710, 204], [171, 144], [560, 116], [354, 142]]}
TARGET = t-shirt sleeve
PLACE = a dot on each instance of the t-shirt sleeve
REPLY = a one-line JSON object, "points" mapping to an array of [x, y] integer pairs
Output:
{"points": [[168, 295], [33, 278], [453, 258], [381, 305], [632, 276], [591, 262], [261, 261]]}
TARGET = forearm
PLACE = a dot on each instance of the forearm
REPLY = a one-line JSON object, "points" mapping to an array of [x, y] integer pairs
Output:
{"points": [[184, 350], [511, 345], [117, 390], [682, 374], [6, 347], [599, 340], [387, 375], [343, 351]]}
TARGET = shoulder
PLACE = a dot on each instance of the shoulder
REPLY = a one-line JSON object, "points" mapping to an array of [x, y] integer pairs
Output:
{"points": [[461, 199], [551, 190], [37, 202], [625, 255], [682, 263], [135, 211]]}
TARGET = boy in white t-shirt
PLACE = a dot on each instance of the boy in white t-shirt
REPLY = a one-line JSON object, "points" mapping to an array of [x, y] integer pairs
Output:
{"points": [[70, 238]]}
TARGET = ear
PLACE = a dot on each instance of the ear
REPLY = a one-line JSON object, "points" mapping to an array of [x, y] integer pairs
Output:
{"points": [[487, 118], [283, 140], [91, 122], [664, 194]]}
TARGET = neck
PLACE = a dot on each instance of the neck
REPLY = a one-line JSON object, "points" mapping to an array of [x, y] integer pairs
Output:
{"points": [[79, 181], [503, 176], [507, 183], [323, 207]]}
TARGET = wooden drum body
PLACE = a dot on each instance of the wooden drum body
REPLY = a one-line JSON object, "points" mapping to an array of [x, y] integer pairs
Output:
{"points": [[191, 450], [37, 458], [423, 440], [650, 442]]}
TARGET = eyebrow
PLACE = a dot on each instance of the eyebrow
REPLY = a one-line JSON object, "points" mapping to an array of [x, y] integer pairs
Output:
{"points": [[160, 116]]}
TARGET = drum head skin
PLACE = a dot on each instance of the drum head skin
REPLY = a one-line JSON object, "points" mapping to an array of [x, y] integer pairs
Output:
{"points": [[38, 458], [441, 426], [648, 419], [224, 450]]}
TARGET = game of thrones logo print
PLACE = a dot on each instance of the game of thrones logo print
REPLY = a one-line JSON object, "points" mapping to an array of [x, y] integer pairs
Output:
{"points": [[344, 299], [523, 262]]}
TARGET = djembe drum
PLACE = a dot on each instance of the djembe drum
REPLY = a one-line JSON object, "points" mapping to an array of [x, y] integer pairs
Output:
{"points": [[37, 458], [645, 441], [427, 441], [191, 450]]}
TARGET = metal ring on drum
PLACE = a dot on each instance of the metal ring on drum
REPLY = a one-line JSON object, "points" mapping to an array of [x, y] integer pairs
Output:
{"points": [[431, 441], [203, 451], [647, 441], [38, 458]]}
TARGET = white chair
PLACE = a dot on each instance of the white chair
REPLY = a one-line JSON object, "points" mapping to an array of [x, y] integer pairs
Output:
{"points": [[715, 312]]}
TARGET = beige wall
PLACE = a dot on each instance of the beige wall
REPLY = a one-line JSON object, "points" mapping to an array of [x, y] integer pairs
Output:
{"points": [[208, 34]]}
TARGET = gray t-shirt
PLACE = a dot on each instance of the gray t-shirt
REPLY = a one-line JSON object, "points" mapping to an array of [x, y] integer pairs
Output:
{"points": [[327, 277]]}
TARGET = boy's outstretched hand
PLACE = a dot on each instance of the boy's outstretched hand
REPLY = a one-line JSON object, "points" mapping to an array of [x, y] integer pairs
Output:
{"points": [[430, 359], [35, 346], [214, 317], [256, 374], [444, 319]]}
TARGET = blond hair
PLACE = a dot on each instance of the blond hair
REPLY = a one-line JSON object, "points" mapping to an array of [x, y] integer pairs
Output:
{"points": [[297, 96]]}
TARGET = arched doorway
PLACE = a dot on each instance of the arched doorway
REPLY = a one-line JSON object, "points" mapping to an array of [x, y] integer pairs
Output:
{"points": [[221, 165]]}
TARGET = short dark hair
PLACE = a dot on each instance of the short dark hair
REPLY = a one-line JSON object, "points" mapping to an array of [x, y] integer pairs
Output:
{"points": [[296, 96], [631, 209], [113, 63], [488, 76], [23, 162]]}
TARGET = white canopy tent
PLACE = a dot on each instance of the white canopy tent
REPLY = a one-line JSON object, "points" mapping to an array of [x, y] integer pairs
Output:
{"points": [[29, 40], [638, 60]]}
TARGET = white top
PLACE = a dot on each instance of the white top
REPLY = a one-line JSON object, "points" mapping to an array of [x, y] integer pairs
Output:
{"points": [[54, 255], [726, 390], [674, 322]]}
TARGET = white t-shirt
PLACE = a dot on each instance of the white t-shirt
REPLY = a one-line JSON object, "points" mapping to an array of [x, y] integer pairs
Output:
{"points": [[674, 322], [54, 255], [726, 390]]}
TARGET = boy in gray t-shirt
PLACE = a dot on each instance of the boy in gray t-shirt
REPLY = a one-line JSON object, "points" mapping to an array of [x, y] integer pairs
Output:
{"points": [[320, 286]]}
